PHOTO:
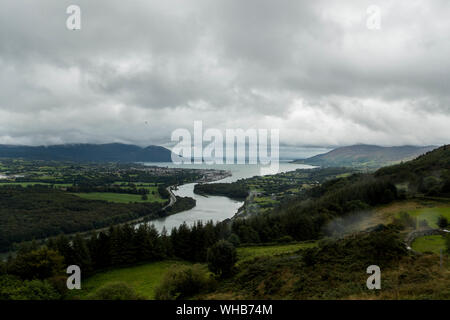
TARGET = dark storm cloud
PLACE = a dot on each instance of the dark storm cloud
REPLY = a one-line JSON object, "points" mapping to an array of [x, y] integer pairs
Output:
{"points": [[139, 69]]}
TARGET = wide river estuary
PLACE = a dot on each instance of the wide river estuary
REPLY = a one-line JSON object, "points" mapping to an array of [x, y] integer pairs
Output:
{"points": [[212, 207]]}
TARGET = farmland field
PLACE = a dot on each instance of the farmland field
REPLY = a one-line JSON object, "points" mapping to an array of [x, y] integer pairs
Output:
{"points": [[431, 215], [118, 197], [429, 243]]}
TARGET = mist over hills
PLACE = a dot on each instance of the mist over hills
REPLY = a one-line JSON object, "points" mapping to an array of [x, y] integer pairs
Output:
{"points": [[370, 156], [116, 152]]}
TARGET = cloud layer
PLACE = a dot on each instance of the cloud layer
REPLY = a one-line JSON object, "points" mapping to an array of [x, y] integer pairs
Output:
{"points": [[137, 70]]}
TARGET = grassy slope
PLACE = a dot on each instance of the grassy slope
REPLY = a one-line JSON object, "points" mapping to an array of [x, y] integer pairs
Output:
{"points": [[284, 277], [429, 244], [422, 209], [249, 253], [145, 278], [431, 214], [397, 283], [365, 156]]}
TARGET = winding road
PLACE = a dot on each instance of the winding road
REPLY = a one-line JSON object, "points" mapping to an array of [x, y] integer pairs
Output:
{"points": [[172, 199]]}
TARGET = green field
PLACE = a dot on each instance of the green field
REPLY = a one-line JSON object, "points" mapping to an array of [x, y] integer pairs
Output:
{"points": [[429, 244], [143, 279], [248, 253], [119, 197], [430, 214]]}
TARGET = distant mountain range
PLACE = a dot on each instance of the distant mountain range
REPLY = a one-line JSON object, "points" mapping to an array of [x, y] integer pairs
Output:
{"points": [[114, 152], [368, 156]]}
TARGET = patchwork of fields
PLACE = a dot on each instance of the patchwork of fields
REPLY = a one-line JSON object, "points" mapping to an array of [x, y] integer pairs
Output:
{"points": [[152, 196]]}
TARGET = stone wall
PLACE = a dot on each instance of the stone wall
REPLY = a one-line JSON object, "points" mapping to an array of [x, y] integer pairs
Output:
{"points": [[421, 233]]}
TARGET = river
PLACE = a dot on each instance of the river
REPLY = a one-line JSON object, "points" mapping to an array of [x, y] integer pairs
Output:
{"points": [[214, 208]]}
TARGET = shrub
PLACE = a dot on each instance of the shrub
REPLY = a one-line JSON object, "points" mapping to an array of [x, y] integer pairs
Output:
{"points": [[184, 281], [221, 258], [59, 283], [234, 239], [285, 239], [447, 243], [38, 264], [442, 222], [405, 220], [13, 288]]}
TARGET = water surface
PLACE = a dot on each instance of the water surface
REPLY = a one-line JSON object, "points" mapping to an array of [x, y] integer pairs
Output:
{"points": [[213, 208]]}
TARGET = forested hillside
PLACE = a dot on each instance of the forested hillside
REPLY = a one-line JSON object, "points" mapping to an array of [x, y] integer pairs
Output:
{"points": [[428, 174], [36, 212], [88, 152], [367, 156], [304, 219]]}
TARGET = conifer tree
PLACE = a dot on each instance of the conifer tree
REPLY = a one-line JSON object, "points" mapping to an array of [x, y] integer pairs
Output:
{"points": [[82, 257]]}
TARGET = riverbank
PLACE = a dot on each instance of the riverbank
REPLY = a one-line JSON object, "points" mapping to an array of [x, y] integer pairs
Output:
{"points": [[207, 208], [208, 175]]}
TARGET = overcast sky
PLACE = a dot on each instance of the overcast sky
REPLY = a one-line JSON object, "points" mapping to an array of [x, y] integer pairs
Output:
{"points": [[137, 70]]}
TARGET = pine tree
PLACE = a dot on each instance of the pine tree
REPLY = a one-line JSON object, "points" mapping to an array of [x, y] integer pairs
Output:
{"points": [[166, 243], [143, 244], [116, 251], [181, 242], [157, 243], [129, 245], [62, 245], [82, 256]]}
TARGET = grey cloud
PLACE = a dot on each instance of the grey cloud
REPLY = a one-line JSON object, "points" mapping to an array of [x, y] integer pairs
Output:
{"points": [[311, 68]]}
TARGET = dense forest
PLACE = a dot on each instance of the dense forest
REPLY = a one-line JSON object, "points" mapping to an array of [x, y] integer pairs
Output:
{"points": [[107, 188], [234, 190], [36, 212], [182, 204], [304, 220]]}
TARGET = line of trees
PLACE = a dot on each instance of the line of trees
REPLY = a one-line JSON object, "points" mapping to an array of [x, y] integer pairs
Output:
{"points": [[126, 245], [41, 269], [233, 190]]}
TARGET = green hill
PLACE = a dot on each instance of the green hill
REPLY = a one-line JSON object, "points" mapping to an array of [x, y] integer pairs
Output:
{"points": [[428, 174], [368, 156], [88, 152]]}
